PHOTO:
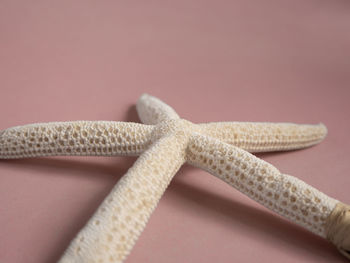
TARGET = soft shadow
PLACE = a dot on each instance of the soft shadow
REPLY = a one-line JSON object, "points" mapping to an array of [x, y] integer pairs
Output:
{"points": [[86, 168], [265, 223], [83, 168], [131, 115]]}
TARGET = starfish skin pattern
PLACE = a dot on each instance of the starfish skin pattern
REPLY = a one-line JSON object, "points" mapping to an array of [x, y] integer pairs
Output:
{"points": [[164, 143]]}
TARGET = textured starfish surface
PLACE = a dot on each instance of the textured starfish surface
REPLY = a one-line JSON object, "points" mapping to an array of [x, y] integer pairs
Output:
{"points": [[165, 142]]}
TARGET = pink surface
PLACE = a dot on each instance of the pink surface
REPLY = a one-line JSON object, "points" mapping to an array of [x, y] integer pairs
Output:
{"points": [[271, 60]]}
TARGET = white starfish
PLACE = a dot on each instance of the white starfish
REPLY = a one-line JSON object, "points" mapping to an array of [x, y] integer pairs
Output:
{"points": [[165, 142]]}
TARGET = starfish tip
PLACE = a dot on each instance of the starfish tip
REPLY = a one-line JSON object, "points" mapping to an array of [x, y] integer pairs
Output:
{"points": [[144, 96], [323, 129]]}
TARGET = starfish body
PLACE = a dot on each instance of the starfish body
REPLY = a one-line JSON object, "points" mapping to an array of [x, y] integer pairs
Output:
{"points": [[165, 142]]}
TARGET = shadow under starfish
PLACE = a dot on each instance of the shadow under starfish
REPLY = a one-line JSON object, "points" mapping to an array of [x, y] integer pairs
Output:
{"points": [[165, 142]]}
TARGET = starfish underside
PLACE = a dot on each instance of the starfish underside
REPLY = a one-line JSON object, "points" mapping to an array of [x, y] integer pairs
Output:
{"points": [[164, 143]]}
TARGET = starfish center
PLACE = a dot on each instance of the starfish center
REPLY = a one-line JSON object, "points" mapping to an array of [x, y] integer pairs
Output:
{"points": [[179, 126]]}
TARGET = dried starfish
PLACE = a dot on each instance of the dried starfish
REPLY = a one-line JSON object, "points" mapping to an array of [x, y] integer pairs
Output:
{"points": [[165, 142]]}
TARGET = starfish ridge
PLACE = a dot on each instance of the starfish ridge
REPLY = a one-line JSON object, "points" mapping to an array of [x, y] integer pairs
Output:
{"points": [[165, 142]]}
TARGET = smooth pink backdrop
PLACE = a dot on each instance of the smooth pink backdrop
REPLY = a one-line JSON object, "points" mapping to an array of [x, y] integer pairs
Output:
{"points": [[270, 60]]}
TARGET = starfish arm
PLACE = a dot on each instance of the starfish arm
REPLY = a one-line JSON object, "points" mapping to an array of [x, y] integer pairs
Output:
{"points": [[264, 136], [75, 138], [152, 110], [114, 228], [284, 194]]}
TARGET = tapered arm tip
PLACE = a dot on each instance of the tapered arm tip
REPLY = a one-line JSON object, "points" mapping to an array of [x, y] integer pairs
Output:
{"points": [[323, 130], [152, 110]]}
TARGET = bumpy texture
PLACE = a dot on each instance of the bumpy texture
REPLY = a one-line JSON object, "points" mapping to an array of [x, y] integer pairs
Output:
{"points": [[284, 194], [75, 138], [265, 136], [165, 143], [112, 231]]}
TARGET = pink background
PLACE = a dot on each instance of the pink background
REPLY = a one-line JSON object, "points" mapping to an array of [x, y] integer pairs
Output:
{"points": [[270, 60]]}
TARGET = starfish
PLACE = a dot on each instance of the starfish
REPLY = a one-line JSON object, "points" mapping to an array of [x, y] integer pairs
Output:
{"points": [[164, 143]]}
